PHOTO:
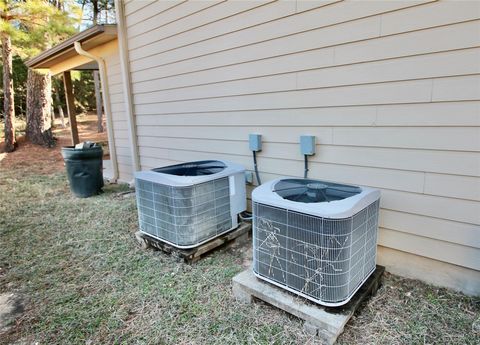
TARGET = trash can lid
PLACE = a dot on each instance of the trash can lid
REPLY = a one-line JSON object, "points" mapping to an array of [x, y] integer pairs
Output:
{"points": [[85, 145], [71, 152]]}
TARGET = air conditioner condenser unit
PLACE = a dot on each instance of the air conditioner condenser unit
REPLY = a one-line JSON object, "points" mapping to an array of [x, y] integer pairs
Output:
{"points": [[315, 238], [188, 204]]}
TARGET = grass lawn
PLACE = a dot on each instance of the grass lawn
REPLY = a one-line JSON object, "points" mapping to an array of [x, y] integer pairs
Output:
{"points": [[85, 281]]}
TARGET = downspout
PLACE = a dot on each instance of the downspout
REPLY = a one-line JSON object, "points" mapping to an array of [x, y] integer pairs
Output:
{"points": [[127, 88], [106, 104]]}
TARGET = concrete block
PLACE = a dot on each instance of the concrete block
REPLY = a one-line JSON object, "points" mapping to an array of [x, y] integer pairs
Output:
{"points": [[326, 323], [241, 295], [310, 329]]}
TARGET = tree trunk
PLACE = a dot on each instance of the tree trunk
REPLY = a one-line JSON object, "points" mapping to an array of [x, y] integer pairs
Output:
{"points": [[60, 109], [98, 96], [95, 11], [8, 106], [39, 97], [62, 116], [52, 115]]}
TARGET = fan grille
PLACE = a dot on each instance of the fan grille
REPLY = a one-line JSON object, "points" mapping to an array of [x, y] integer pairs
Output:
{"points": [[184, 216], [323, 259], [314, 191], [199, 168]]}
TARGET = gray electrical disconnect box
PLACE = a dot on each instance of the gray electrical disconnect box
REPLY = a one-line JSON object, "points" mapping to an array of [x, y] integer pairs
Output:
{"points": [[307, 145], [255, 142], [248, 177]]}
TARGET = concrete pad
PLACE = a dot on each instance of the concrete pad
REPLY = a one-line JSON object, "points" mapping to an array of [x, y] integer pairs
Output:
{"points": [[327, 323]]}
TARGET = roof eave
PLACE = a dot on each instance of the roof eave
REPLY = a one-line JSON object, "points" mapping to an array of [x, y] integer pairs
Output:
{"points": [[66, 45]]}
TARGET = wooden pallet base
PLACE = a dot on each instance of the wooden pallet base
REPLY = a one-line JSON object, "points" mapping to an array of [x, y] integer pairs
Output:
{"points": [[327, 323], [240, 235]]}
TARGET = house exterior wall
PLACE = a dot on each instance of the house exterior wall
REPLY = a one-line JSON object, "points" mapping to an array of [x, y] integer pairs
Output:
{"points": [[119, 117], [391, 90]]}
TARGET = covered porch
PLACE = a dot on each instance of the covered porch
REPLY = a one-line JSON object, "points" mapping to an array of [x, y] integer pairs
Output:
{"points": [[85, 52]]}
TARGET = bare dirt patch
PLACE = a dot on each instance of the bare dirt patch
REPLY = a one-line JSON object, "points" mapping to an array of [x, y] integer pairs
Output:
{"points": [[43, 160], [11, 307]]}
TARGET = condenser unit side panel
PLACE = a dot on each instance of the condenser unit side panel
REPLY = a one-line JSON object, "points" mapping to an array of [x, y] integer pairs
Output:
{"points": [[324, 260], [184, 216], [238, 194]]}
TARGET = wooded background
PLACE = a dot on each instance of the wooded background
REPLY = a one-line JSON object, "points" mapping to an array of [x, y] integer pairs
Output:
{"points": [[29, 27]]}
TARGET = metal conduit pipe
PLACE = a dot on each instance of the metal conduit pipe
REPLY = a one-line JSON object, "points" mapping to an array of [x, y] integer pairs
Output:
{"points": [[106, 105]]}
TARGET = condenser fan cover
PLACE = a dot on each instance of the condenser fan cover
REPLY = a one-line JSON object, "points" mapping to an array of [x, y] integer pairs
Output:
{"points": [[313, 191], [199, 168]]}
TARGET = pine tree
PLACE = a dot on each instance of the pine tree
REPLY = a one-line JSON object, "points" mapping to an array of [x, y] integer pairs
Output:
{"points": [[39, 104], [32, 26], [8, 107], [98, 11]]}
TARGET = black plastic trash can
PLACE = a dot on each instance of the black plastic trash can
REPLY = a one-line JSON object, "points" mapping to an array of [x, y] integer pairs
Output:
{"points": [[84, 169]]}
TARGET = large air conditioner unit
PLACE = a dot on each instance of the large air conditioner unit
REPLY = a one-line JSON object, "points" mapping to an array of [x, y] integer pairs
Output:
{"points": [[188, 204], [315, 238]]}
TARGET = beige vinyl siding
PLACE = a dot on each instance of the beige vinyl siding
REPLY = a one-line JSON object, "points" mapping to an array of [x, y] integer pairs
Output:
{"points": [[132, 6], [121, 139], [391, 90]]}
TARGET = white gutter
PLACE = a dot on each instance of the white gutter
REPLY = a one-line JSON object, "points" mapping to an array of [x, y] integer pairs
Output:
{"points": [[106, 105], [127, 88]]}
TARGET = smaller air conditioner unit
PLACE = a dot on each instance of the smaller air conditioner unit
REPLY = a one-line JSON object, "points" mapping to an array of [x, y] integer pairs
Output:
{"points": [[315, 238], [188, 204]]}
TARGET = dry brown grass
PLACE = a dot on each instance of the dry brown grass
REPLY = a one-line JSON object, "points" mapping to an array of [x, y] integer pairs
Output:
{"points": [[86, 281], [406, 311]]}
